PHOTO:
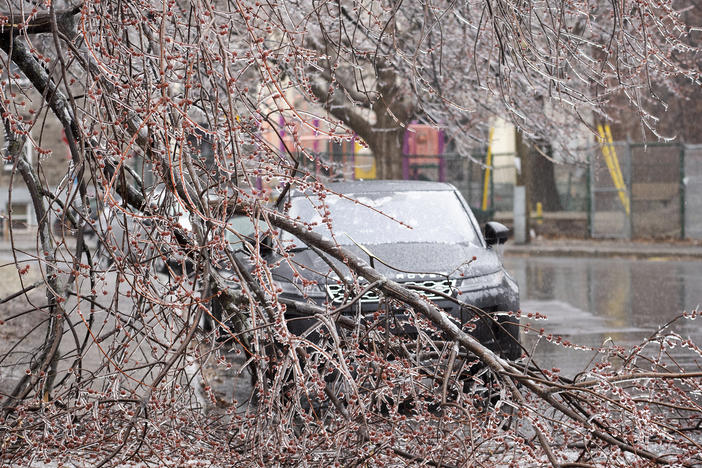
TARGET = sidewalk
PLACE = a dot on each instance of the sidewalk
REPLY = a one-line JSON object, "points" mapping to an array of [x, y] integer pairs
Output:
{"points": [[648, 249]]}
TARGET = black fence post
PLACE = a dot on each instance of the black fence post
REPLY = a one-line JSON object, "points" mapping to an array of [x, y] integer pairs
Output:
{"points": [[590, 193], [629, 188], [682, 191]]}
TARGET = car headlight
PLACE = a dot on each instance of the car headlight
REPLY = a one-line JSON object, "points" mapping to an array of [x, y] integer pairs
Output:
{"points": [[491, 280]]}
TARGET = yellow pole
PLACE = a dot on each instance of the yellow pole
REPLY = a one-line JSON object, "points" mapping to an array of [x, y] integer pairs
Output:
{"points": [[610, 156], [623, 195], [488, 164]]}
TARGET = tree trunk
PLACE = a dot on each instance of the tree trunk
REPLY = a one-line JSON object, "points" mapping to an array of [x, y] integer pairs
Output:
{"points": [[542, 179], [387, 149], [392, 112], [387, 142]]}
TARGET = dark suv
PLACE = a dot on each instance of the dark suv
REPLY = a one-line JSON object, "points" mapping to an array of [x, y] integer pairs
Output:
{"points": [[420, 234]]}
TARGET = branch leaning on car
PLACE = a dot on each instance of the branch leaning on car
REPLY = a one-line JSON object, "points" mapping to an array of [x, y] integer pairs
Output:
{"points": [[504, 369]]}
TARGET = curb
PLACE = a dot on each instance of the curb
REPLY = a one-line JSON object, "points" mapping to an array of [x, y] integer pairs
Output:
{"points": [[632, 251]]}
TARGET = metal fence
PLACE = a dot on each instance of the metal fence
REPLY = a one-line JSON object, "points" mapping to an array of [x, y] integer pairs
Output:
{"points": [[628, 190], [571, 184], [652, 199], [655, 186], [608, 211]]}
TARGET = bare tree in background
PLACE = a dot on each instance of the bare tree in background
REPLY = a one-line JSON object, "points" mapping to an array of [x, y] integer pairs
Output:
{"points": [[550, 70], [116, 359], [677, 103]]}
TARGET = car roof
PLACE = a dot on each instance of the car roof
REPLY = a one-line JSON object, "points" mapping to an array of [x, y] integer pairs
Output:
{"points": [[375, 186]]}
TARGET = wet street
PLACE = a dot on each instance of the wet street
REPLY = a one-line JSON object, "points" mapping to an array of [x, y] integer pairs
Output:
{"points": [[596, 301]]}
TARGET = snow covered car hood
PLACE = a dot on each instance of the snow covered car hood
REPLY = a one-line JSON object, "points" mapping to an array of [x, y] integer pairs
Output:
{"points": [[401, 262]]}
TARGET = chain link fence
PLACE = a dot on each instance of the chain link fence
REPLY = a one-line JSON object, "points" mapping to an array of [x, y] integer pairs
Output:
{"points": [[608, 212], [655, 186], [627, 190], [656, 195]]}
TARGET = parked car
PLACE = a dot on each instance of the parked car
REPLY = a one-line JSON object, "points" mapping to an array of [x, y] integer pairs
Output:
{"points": [[420, 234]]}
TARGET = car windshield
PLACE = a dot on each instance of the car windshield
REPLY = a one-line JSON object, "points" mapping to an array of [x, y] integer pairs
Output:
{"points": [[388, 217]]}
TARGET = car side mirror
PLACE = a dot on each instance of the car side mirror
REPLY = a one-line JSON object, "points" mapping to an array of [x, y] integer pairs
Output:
{"points": [[266, 245], [496, 233]]}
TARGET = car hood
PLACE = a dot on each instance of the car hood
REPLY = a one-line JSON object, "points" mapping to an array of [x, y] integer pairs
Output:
{"points": [[404, 262]]}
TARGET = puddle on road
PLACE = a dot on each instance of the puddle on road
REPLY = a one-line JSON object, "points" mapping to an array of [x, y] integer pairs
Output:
{"points": [[596, 301], [566, 319]]}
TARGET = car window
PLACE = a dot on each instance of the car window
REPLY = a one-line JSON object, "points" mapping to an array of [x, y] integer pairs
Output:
{"points": [[380, 218], [244, 226]]}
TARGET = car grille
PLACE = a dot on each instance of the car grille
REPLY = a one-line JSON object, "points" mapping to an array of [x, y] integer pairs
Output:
{"points": [[438, 288]]}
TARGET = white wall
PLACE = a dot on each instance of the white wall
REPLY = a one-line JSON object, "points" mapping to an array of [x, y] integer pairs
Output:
{"points": [[503, 151]]}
